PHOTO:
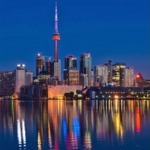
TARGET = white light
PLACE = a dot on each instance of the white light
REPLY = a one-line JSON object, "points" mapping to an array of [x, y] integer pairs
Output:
{"points": [[23, 65], [23, 133], [19, 132], [18, 65]]}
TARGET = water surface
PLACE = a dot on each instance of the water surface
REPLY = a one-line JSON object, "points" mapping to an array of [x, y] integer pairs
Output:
{"points": [[67, 125]]}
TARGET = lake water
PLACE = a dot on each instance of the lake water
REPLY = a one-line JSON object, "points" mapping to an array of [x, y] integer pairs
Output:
{"points": [[67, 125]]}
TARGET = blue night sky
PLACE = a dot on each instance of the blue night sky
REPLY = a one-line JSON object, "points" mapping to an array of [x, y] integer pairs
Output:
{"points": [[108, 29]]}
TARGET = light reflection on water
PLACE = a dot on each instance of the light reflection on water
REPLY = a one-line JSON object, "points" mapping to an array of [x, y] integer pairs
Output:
{"points": [[87, 125]]}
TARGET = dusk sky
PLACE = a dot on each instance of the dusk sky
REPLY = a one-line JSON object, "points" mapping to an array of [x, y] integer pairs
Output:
{"points": [[108, 29]]}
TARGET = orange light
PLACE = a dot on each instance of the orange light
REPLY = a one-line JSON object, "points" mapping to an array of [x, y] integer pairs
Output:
{"points": [[138, 76], [137, 120]]}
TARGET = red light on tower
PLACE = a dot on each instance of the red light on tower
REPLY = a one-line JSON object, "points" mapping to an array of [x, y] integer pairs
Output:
{"points": [[56, 37], [137, 76]]}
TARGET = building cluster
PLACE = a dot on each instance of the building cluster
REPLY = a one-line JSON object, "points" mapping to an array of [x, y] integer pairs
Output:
{"points": [[117, 74], [12, 81], [49, 71], [48, 74]]}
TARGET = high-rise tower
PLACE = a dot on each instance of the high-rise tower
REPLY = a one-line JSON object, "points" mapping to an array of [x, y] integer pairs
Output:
{"points": [[118, 73], [39, 64], [110, 68], [71, 73], [101, 74], [70, 62], [85, 67], [56, 36], [56, 63]]}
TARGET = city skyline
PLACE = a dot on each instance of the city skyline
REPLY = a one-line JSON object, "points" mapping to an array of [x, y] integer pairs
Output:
{"points": [[94, 27]]}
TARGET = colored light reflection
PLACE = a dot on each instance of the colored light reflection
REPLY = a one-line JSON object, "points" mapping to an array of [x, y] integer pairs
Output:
{"points": [[64, 124], [137, 120], [72, 124], [76, 126], [21, 133]]}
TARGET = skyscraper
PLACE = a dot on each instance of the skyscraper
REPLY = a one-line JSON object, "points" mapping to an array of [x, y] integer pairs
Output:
{"points": [[118, 73], [48, 66], [23, 77], [71, 73], [71, 76], [85, 66], [128, 80], [101, 74], [20, 77], [12, 81], [39, 64], [70, 62], [109, 67], [7, 83]]}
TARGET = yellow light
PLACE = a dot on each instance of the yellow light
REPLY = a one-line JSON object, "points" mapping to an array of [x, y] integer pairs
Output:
{"points": [[116, 96], [79, 95]]}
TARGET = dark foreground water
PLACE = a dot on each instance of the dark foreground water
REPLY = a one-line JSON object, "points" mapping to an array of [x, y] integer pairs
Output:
{"points": [[68, 125]]}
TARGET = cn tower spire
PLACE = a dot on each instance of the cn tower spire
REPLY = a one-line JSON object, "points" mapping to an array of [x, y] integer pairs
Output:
{"points": [[56, 18], [56, 36]]}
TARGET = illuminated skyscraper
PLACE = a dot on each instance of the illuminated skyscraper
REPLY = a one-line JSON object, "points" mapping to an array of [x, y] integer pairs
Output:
{"points": [[48, 66], [29, 77], [128, 77], [71, 73], [101, 74], [23, 77], [7, 83], [118, 73], [20, 77], [84, 80], [12, 81], [57, 69], [70, 62], [39, 64], [109, 67], [71, 76], [85, 66]]}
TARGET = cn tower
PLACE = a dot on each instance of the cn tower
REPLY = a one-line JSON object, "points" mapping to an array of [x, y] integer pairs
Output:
{"points": [[56, 36]]}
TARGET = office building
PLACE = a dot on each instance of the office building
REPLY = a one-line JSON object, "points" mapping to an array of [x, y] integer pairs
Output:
{"points": [[101, 74], [48, 66], [109, 67], [85, 66], [71, 73], [118, 74], [128, 80], [22, 77], [92, 77], [7, 83], [57, 69], [71, 76], [39, 64], [12, 81], [84, 80], [29, 77], [70, 62]]}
